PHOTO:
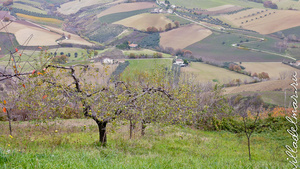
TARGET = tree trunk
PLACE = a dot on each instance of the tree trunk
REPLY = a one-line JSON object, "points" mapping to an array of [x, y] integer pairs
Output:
{"points": [[131, 128], [9, 122], [143, 128], [102, 132], [249, 147]]}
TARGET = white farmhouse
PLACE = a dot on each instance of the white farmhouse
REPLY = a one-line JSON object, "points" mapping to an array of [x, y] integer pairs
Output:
{"points": [[108, 61]]}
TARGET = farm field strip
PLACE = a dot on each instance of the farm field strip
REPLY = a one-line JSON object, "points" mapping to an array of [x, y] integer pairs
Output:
{"points": [[204, 73], [143, 21], [145, 51], [126, 7], [204, 4], [74, 6], [28, 8]]}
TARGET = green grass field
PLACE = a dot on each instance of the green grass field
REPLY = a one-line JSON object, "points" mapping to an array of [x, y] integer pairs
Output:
{"points": [[141, 65], [145, 51], [122, 15], [204, 4], [35, 3], [36, 145]]}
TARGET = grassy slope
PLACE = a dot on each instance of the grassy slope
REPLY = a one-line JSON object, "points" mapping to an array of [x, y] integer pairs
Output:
{"points": [[206, 73], [162, 147], [271, 97], [204, 4], [272, 68]]}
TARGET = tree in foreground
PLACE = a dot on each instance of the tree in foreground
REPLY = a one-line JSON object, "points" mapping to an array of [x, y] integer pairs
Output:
{"points": [[249, 109]]}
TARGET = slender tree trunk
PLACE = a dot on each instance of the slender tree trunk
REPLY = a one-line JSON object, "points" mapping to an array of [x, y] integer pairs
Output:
{"points": [[9, 122], [143, 128], [131, 127], [248, 137], [102, 132]]}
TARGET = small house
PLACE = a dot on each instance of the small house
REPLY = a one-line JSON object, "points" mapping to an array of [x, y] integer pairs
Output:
{"points": [[108, 61], [170, 11], [179, 61], [297, 63], [133, 45], [156, 10]]}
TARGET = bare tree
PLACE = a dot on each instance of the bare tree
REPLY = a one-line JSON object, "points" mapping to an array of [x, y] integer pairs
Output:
{"points": [[249, 108]]}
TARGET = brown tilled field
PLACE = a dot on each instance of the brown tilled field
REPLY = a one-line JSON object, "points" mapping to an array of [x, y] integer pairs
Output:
{"points": [[126, 7], [265, 22], [183, 36], [145, 20]]}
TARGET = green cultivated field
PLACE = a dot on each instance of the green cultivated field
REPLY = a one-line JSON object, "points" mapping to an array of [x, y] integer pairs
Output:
{"points": [[74, 146], [204, 4], [28, 8], [140, 65], [213, 48], [122, 15]]}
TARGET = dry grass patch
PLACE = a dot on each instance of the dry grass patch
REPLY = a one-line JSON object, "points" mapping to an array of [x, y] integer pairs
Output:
{"points": [[264, 22], [126, 7], [143, 21], [203, 73], [274, 69], [183, 36]]}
